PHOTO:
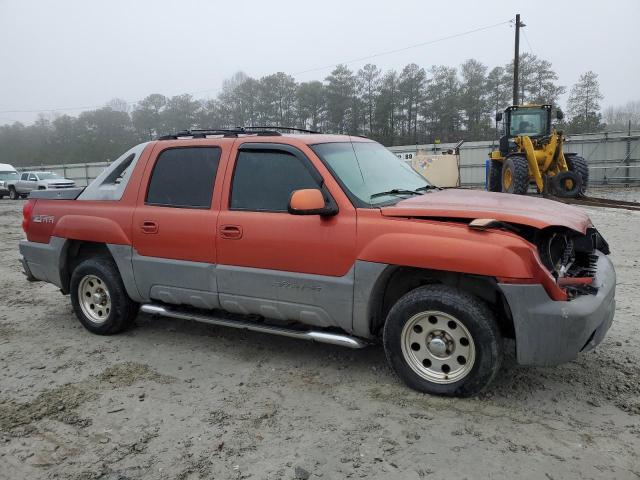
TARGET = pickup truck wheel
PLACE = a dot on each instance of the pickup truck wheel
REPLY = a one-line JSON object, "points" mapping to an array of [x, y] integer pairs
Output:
{"points": [[99, 298], [13, 195], [443, 341]]}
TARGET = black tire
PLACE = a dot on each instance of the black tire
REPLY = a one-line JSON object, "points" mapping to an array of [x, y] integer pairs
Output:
{"points": [[579, 165], [472, 313], [495, 176], [567, 184], [122, 309], [13, 195], [518, 168]]}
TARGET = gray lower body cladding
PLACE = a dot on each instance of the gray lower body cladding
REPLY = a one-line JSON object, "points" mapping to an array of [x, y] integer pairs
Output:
{"points": [[42, 261], [549, 332]]}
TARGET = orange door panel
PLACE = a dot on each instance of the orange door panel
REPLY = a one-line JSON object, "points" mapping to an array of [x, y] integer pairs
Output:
{"points": [[278, 240], [164, 226], [292, 243]]}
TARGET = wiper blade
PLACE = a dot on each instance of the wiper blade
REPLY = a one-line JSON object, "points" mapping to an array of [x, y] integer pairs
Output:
{"points": [[427, 187], [395, 191]]}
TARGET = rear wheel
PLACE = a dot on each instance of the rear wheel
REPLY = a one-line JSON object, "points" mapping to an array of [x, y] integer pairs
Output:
{"points": [[515, 175], [495, 176], [99, 298], [579, 165], [13, 195], [443, 341]]}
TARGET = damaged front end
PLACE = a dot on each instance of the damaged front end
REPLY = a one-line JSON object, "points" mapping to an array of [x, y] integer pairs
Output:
{"points": [[571, 258]]}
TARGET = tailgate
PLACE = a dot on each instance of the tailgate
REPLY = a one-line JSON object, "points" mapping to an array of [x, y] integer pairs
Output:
{"points": [[62, 194]]}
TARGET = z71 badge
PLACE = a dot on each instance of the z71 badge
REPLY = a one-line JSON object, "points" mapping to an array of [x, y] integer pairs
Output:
{"points": [[43, 219]]}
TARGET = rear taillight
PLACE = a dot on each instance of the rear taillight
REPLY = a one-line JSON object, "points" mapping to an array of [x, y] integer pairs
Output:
{"points": [[27, 210]]}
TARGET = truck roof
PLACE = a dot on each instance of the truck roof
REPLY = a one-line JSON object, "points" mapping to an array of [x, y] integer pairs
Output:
{"points": [[308, 139], [5, 167]]}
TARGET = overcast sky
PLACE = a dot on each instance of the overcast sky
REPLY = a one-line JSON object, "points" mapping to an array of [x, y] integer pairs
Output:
{"points": [[66, 54]]}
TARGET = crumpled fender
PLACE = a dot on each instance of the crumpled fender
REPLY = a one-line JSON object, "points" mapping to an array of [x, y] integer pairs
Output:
{"points": [[481, 253]]}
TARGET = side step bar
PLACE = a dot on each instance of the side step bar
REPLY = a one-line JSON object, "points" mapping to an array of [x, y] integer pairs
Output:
{"points": [[316, 336]]}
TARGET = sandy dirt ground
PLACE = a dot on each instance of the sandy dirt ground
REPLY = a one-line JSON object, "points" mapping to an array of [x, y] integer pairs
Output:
{"points": [[181, 400]]}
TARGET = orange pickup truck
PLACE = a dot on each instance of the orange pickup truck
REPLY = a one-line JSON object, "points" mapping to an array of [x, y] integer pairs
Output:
{"points": [[327, 238]]}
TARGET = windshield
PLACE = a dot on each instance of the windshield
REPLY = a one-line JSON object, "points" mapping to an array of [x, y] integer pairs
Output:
{"points": [[48, 176], [8, 175], [528, 121], [367, 169]]}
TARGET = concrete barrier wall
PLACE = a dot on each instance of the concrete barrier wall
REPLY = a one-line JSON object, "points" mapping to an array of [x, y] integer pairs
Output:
{"points": [[613, 158]]}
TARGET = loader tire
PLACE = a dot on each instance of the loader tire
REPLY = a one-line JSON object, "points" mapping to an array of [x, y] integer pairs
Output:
{"points": [[495, 176], [579, 165], [567, 184], [515, 175]]}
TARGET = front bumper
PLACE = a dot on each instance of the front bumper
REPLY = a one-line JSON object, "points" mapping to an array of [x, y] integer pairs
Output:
{"points": [[549, 332]]}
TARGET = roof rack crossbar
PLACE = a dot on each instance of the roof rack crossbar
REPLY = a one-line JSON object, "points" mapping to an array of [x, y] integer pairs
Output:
{"points": [[234, 132]]}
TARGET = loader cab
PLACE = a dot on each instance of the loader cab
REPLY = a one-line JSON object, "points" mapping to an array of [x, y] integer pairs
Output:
{"points": [[524, 120], [532, 121]]}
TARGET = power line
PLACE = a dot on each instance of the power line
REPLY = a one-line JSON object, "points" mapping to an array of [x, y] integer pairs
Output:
{"points": [[527, 40], [402, 49], [348, 62]]}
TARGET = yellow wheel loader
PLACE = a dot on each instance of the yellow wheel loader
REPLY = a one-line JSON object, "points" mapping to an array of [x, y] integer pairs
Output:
{"points": [[530, 151]]}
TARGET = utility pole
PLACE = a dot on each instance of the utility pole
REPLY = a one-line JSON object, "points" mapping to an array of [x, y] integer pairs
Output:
{"points": [[516, 60]]}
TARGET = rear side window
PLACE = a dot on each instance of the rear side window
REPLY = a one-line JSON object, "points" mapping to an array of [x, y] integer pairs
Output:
{"points": [[184, 177], [264, 180]]}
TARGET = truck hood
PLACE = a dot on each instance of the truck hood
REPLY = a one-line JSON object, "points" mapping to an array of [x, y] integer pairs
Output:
{"points": [[506, 207]]}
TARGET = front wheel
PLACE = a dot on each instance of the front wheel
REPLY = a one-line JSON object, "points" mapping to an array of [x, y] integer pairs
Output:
{"points": [[443, 341], [515, 175], [13, 194], [99, 298]]}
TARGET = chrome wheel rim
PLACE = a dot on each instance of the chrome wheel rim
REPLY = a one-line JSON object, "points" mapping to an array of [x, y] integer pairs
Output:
{"points": [[95, 300], [438, 347]]}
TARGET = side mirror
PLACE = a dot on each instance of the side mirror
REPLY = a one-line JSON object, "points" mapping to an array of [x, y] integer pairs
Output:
{"points": [[310, 201], [559, 114], [499, 117]]}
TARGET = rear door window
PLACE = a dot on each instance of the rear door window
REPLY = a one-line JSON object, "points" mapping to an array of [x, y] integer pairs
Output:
{"points": [[263, 180], [184, 177]]}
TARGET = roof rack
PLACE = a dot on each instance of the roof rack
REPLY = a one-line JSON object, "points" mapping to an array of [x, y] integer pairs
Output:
{"points": [[233, 132]]}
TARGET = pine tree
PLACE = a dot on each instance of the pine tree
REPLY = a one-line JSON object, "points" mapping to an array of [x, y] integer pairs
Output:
{"points": [[583, 105]]}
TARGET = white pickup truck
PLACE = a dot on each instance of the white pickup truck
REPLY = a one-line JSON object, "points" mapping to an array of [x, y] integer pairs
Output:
{"points": [[28, 181], [8, 174]]}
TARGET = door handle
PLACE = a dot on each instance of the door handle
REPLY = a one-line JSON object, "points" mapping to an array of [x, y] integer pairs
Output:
{"points": [[231, 232], [149, 226]]}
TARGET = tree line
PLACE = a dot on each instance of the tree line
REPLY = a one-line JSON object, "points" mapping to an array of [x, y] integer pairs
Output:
{"points": [[413, 105]]}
